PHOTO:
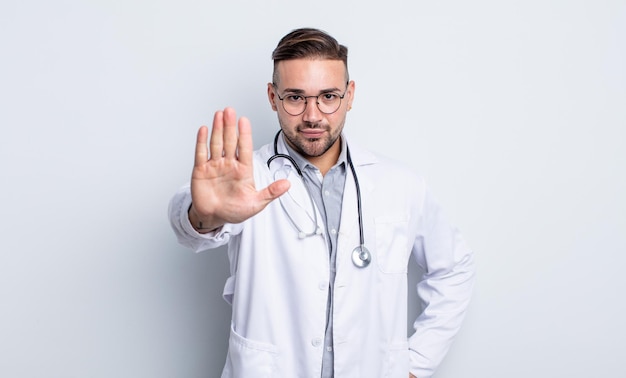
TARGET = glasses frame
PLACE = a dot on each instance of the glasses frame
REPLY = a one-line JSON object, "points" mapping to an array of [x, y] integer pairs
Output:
{"points": [[306, 102]]}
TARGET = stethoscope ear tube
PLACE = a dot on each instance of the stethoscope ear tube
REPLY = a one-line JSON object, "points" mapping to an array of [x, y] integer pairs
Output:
{"points": [[284, 156]]}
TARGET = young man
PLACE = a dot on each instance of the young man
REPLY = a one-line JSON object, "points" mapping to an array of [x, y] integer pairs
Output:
{"points": [[319, 235]]}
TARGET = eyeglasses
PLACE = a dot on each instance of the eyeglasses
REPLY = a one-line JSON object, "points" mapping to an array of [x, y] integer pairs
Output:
{"points": [[295, 104]]}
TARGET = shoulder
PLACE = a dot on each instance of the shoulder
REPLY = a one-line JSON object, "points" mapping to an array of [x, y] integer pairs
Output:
{"points": [[383, 166]]}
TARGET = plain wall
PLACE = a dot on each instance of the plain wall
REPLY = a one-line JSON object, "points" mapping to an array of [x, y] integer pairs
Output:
{"points": [[515, 112]]}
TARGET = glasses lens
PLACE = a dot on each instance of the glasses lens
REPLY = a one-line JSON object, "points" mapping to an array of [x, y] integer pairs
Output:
{"points": [[294, 105], [328, 102]]}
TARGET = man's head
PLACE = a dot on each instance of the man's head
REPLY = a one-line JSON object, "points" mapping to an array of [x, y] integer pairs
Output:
{"points": [[309, 43], [311, 93]]}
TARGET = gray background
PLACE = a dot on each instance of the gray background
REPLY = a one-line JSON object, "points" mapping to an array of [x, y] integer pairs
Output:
{"points": [[513, 110]]}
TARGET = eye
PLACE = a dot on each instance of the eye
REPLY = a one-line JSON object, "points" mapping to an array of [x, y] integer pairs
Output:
{"points": [[294, 98], [329, 97]]}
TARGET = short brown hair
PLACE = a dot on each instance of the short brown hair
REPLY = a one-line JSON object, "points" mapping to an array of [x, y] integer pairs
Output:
{"points": [[309, 43]]}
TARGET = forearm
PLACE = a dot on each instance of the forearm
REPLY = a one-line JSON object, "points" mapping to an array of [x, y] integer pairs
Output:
{"points": [[444, 299]]}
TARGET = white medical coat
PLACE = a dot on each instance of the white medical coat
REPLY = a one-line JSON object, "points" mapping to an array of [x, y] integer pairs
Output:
{"points": [[278, 284]]}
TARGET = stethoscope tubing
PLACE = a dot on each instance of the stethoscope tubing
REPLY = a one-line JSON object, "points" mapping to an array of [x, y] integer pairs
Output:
{"points": [[360, 255]]}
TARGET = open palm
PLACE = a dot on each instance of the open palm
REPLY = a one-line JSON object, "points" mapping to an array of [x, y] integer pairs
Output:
{"points": [[222, 181]]}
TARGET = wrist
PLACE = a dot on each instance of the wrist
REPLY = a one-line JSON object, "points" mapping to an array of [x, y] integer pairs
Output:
{"points": [[201, 225]]}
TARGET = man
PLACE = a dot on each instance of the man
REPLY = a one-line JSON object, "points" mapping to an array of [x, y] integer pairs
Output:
{"points": [[319, 235]]}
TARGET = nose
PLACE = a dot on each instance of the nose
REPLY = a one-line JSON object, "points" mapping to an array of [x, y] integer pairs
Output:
{"points": [[312, 112]]}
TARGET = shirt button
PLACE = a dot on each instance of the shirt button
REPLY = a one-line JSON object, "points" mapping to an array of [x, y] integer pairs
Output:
{"points": [[329, 348], [326, 193], [316, 342], [333, 231]]}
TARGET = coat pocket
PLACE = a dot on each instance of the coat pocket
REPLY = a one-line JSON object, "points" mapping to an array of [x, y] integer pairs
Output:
{"points": [[397, 361], [248, 358], [392, 244]]}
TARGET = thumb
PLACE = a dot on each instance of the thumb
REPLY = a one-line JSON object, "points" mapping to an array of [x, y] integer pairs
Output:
{"points": [[274, 190], [278, 188]]}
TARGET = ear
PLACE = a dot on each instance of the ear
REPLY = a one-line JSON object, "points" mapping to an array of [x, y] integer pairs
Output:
{"points": [[271, 96], [350, 93]]}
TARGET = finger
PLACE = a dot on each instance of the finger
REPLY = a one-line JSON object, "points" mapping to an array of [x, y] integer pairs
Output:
{"points": [[273, 191], [217, 141], [245, 145], [201, 148], [230, 133]]}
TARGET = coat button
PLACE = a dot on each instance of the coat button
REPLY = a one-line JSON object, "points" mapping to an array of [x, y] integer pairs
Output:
{"points": [[316, 342], [322, 285]]}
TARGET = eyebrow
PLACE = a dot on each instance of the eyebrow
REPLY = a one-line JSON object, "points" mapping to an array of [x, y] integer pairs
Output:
{"points": [[300, 91]]}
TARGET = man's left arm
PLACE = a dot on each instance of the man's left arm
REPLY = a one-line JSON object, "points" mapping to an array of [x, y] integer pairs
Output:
{"points": [[444, 290]]}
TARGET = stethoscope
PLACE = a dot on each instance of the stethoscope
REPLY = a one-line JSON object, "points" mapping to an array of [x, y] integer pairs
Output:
{"points": [[361, 257]]}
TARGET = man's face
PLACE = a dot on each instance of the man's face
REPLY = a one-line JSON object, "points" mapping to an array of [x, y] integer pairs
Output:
{"points": [[313, 133]]}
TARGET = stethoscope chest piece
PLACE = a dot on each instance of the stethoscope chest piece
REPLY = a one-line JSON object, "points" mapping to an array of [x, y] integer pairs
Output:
{"points": [[361, 257]]}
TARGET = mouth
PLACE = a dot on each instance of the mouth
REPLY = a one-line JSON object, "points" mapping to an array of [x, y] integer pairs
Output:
{"points": [[312, 133]]}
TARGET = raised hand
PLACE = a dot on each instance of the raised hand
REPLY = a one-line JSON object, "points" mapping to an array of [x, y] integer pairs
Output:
{"points": [[222, 183]]}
